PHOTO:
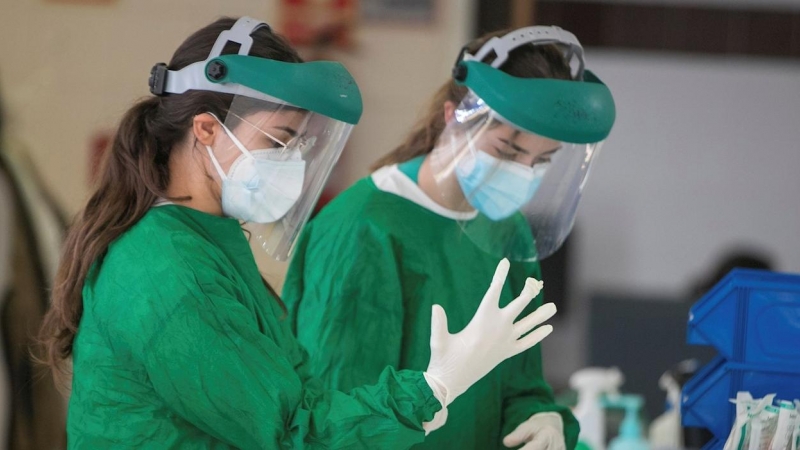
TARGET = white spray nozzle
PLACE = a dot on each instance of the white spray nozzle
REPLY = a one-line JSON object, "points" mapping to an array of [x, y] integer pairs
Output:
{"points": [[597, 379]]}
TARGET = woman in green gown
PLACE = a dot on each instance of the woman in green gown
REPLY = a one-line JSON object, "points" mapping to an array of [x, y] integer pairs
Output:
{"points": [[494, 169]]}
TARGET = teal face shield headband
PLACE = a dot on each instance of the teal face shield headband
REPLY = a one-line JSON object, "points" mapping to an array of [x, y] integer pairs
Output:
{"points": [[323, 87], [580, 110]]}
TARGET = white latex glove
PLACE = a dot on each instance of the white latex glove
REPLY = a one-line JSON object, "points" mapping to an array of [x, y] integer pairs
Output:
{"points": [[439, 419], [543, 431], [459, 360]]}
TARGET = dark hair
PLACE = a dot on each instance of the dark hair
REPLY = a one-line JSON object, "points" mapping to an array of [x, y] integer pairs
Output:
{"points": [[134, 174], [527, 61], [742, 257], [2, 121]]}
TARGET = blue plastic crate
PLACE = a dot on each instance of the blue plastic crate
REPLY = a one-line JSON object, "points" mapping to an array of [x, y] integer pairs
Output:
{"points": [[705, 397], [752, 317]]}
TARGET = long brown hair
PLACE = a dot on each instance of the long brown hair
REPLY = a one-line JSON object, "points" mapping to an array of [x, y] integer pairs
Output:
{"points": [[527, 61], [135, 173]]}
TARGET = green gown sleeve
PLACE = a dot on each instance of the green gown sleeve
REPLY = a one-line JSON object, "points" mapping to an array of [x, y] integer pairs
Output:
{"points": [[218, 368], [525, 390], [346, 304]]}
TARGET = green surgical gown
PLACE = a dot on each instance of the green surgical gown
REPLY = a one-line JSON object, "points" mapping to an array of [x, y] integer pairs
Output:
{"points": [[182, 347], [360, 287]]}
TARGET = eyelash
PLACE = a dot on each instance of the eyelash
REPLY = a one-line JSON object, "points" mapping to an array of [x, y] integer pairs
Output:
{"points": [[504, 154], [273, 142]]}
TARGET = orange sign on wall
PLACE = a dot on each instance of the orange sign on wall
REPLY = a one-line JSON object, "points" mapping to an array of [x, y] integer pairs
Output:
{"points": [[319, 23]]}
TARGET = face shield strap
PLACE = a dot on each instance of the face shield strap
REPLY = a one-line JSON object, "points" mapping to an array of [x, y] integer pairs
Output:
{"points": [[537, 35], [240, 33], [165, 81], [243, 120]]}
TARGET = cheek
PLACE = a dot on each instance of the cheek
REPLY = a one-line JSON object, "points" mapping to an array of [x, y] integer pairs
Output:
{"points": [[486, 144], [226, 155]]}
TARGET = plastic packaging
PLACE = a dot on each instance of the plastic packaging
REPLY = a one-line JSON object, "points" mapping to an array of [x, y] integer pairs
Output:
{"points": [[796, 434], [763, 428], [784, 430], [738, 439]]}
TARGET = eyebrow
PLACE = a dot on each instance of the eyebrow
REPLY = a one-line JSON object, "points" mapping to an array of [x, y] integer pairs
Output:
{"points": [[527, 152], [292, 132]]}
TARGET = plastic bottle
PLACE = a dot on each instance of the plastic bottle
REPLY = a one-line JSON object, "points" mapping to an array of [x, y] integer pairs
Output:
{"points": [[666, 431], [591, 384], [630, 431]]}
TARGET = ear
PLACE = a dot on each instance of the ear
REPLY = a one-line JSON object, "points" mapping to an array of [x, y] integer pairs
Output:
{"points": [[449, 111], [205, 128]]}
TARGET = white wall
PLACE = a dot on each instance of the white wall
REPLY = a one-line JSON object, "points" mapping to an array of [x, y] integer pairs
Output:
{"points": [[705, 155]]}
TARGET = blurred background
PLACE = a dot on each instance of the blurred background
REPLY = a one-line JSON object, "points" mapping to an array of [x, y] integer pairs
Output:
{"points": [[700, 174]]}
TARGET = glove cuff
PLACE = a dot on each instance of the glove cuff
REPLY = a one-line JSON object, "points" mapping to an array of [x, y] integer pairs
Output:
{"points": [[439, 389]]}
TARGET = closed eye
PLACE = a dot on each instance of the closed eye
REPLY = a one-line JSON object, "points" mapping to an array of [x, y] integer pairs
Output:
{"points": [[547, 156], [515, 147]]}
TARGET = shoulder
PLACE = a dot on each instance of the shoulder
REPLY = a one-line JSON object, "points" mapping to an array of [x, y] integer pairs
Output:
{"points": [[153, 271], [360, 212], [160, 243]]}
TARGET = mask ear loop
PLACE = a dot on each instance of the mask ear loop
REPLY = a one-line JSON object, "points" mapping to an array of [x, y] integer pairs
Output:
{"points": [[236, 142], [216, 163]]}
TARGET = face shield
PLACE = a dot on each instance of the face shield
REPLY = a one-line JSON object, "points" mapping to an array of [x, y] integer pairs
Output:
{"points": [[517, 152], [288, 121]]}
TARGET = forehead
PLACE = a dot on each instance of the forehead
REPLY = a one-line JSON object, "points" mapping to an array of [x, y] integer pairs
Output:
{"points": [[499, 130], [279, 118]]}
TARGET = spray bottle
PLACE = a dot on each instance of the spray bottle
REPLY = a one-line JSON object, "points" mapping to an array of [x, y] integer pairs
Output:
{"points": [[591, 384], [666, 431]]}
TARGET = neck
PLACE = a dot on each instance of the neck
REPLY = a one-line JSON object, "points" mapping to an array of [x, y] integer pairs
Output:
{"points": [[191, 184], [446, 192]]}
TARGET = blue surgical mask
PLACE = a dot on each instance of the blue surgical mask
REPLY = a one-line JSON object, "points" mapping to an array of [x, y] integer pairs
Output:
{"points": [[495, 187]]}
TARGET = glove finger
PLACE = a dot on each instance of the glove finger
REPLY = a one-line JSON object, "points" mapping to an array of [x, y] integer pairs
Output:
{"points": [[439, 329], [534, 319], [438, 421], [529, 292], [516, 437], [492, 297], [540, 441], [545, 439], [534, 338]]}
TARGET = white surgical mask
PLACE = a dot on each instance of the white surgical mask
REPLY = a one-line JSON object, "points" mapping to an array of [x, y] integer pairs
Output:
{"points": [[262, 185]]}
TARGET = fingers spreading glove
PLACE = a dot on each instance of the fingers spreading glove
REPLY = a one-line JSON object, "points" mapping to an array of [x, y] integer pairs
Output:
{"points": [[543, 431], [459, 360], [438, 421]]}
